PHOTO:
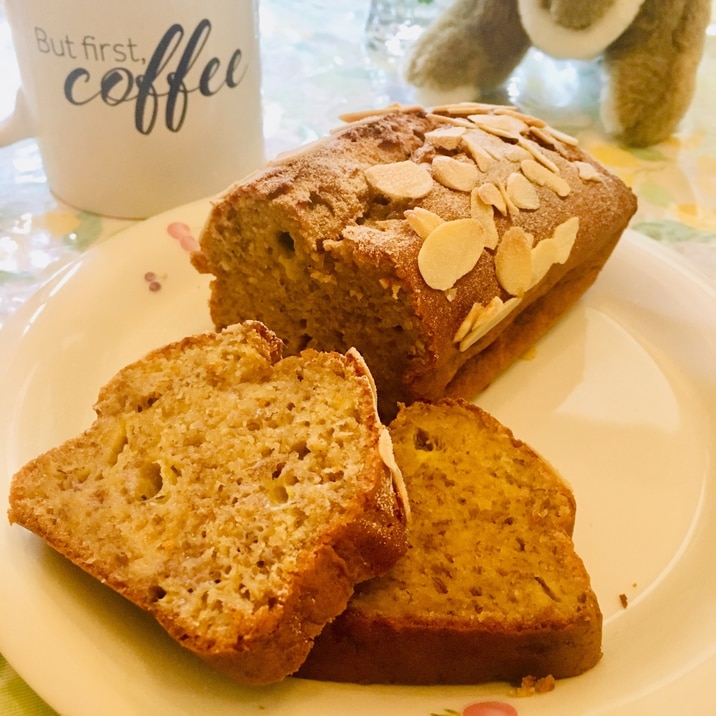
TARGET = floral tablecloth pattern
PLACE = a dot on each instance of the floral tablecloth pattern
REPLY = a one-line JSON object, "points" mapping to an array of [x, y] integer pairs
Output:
{"points": [[316, 66]]}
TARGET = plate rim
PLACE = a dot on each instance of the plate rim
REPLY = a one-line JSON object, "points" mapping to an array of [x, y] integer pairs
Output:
{"points": [[670, 261]]}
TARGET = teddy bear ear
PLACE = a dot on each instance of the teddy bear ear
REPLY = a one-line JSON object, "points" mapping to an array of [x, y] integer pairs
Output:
{"points": [[576, 29]]}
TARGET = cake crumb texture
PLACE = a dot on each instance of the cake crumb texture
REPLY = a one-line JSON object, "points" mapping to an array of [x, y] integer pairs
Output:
{"points": [[491, 588], [235, 495]]}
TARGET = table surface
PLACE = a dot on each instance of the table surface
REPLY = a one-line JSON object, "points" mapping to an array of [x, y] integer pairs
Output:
{"points": [[315, 67]]}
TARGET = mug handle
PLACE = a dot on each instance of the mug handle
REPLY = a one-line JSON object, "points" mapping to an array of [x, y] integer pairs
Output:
{"points": [[17, 126]]}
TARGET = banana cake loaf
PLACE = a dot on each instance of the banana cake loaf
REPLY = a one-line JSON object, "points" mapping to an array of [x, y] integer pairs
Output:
{"points": [[440, 243], [491, 588], [235, 495]]}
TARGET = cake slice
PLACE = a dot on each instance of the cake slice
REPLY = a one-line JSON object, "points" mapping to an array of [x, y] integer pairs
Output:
{"points": [[491, 588], [235, 495]]}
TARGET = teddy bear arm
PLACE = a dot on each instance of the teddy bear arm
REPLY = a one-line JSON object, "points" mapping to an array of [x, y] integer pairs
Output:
{"points": [[651, 70], [475, 43]]}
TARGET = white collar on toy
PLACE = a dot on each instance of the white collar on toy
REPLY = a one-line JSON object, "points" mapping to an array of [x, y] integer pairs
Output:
{"points": [[561, 42]]}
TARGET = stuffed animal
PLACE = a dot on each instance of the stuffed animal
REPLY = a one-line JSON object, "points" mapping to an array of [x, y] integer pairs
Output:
{"points": [[649, 49]]}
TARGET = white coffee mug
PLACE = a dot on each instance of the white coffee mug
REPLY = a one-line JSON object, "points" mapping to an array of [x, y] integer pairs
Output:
{"points": [[140, 105]]}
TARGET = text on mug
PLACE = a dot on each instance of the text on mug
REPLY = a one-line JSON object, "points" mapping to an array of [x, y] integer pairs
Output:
{"points": [[164, 77]]}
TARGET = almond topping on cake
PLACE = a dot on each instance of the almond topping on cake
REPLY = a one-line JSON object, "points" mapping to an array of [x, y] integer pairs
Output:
{"points": [[501, 125], [522, 192], [513, 261], [538, 155], [482, 319], [490, 194], [565, 235], [422, 221], [485, 214], [454, 174], [471, 141], [445, 137], [540, 175], [400, 180], [544, 256], [450, 251], [587, 171], [554, 250]]}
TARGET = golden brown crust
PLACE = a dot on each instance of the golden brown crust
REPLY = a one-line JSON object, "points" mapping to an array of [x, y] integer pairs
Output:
{"points": [[234, 495], [491, 588], [367, 649], [322, 252]]}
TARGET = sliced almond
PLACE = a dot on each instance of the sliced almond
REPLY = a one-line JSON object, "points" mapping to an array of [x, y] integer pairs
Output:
{"points": [[445, 137], [485, 214], [512, 209], [472, 142], [565, 235], [450, 251], [526, 118], [522, 192], [490, 194], [501, 125], [495, 148], [543, 136], [587, 171], [540, 175], [540, 156], [422, 221], [554, 250], [514, 153], [463, 109], [468, 322], [544, 256], [449, 119], [504, 151], [500, 150], [400, 180], [486, 319], [513, 261], [562, 136], [454, 174]]}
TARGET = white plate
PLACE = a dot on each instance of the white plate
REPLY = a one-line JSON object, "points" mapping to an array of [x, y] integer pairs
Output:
{"points": [[620, 396]]}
